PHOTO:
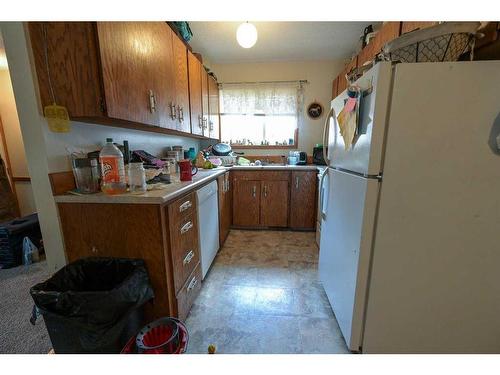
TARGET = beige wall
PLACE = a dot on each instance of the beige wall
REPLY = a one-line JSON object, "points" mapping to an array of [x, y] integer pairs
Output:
{"points": [[15, 145], [319, 74]]}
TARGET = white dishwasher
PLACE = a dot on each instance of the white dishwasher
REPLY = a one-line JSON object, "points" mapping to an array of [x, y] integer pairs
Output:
{"points": [[208, 221]]}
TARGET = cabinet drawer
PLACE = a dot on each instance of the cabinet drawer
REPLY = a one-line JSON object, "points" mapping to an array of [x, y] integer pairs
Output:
{"points": [[188, 293], [181, 208], [261, 175], [185, 248]]}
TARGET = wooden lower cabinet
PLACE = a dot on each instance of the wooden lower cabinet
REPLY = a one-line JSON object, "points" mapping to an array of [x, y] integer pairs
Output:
{"points": [[274, 199], [225, 206], [165, 236], [274, 204], [303, 200], [246, 203]]}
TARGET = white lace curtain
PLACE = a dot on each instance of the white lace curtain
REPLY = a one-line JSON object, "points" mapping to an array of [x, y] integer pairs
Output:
{"points": [[269, 98]]}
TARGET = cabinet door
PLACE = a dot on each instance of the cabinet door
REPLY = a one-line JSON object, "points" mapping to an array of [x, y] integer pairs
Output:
{"points": [[128, 52], [407, 26], [194, 68], [274, 204], [163, 82], [183, 123], [204, 100], [388, 32], [224, 207], [303, 200], [246, 203], [213, 108]]}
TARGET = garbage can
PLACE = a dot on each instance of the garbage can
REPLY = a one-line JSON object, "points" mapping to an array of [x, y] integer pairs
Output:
{"points": [[94, 305]]}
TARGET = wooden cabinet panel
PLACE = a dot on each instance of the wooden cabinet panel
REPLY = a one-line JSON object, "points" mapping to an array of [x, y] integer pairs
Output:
{"points": [[246, 203], [184, 248], [125, 231], [73, 62], [188, 293], [342, 81], [163, 81], [204, 100], [196, 110], [388, 32], [303, 200], [182, 207], [335, 87], [225, 207], [128, 52], [274, 203], [407, 26], [180, 66], [213, 108]]}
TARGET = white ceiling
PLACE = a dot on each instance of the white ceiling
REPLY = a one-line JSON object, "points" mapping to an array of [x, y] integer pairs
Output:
{"points": [[278, 41]]}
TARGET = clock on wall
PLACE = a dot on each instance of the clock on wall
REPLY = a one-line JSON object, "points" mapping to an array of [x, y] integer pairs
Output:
{"points": [[314, 110]]}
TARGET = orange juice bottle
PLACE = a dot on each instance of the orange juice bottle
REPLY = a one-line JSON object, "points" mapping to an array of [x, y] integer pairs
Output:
{"points": [[112, 169]]}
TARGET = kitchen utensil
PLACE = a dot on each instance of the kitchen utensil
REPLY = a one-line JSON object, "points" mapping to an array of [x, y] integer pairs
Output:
{"points": [[187, 170], [223, 149]]}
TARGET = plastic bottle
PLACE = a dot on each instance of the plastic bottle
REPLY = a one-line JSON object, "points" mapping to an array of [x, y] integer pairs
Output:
{"points": [[113, 169]]}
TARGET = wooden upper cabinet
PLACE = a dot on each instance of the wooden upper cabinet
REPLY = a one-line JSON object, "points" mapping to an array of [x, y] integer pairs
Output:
{"points": [[73, 63], [407, 26], [194, 68], [246, 202], [180, 66], [342, 81], [303, 199], [128, 53], [213, 109], [335, 87], [388, 32], [274, 203], [204, 100]]}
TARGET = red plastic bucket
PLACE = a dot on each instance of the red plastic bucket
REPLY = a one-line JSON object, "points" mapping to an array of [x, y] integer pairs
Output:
{"points": [[163, 336]]}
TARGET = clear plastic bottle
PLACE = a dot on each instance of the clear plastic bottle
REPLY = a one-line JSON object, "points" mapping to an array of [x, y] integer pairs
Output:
{"points": [[112, 169]]}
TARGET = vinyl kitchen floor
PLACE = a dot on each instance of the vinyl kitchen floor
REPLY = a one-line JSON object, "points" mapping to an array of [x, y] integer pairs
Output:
{"points": [[262, 295]]}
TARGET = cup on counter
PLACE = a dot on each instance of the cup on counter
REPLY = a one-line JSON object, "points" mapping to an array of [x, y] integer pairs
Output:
{"points": [[187, 170]]}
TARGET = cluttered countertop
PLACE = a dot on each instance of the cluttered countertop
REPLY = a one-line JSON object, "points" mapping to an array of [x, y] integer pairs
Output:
{"points": [[173, 190], [164, 182]]}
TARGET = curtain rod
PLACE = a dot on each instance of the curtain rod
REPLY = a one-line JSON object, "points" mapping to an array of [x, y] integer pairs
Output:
{"points": [[241, 83]]}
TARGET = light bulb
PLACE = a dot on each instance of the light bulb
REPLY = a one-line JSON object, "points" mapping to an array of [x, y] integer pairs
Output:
{"points": [[246, 35]]}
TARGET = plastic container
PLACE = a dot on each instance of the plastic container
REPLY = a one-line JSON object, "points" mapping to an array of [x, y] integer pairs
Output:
{"points": [[136, 178], [112, 169], [94, 305]]}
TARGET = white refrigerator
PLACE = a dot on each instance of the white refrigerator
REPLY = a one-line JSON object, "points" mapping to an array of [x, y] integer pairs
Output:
{"points": [[410, 231]]}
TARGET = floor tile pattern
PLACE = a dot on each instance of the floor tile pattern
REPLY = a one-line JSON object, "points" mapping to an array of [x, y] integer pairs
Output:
{"points": [[262, 295]]}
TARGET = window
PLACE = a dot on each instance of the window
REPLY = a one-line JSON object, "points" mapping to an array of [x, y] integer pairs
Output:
{"points": [[260, 114]]}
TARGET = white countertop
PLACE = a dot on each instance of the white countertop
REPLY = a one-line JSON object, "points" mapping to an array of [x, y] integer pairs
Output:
{"points": [[173, 190]]}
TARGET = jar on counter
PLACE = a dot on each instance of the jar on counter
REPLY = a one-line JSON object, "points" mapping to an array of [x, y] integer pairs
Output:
{"points": [[136, 178]]}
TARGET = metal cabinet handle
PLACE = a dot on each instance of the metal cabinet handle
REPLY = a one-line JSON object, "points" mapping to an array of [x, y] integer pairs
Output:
{"points": [[200, 121], [152, 101], [297, 182], [186, 227], [192, 283], [180, 110], [188, 257], [265, 191], [172, 111], [211, 126], [94, 250], [183, 207], [254, 191]]}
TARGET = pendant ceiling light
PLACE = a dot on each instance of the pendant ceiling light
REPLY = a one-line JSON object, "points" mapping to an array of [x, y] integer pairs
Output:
{"points": [[246, 35]]}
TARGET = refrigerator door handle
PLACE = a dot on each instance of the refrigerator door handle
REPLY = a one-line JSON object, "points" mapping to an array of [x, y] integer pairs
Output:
{"points": [[326, 134], [321, 194]]}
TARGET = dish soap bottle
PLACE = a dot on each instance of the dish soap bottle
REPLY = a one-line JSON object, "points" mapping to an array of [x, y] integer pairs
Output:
{"points": [[113, 169]]}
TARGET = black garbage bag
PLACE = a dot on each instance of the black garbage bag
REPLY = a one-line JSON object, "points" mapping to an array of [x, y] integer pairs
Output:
{"points": [[94, 305]]}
